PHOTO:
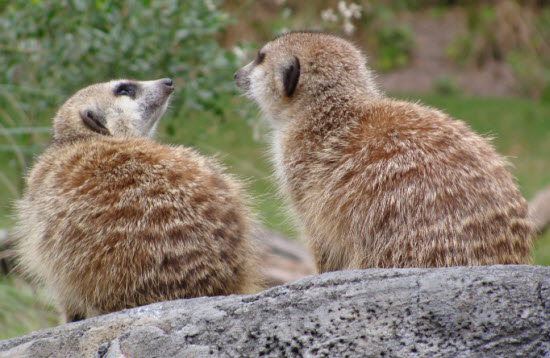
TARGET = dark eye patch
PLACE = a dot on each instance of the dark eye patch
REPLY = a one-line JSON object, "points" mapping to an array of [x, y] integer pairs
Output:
{"points": [[126, 89], [260, 57]]}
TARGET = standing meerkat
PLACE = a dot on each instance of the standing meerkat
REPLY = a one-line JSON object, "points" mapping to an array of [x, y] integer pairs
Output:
{"points": [[112, 219], [379, 182]]}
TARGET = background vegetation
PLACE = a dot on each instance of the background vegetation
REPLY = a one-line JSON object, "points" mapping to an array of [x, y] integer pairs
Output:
{"points": [[49, 49]]}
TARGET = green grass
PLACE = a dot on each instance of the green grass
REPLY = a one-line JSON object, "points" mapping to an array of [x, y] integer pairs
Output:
{"points": [[20, 138], [22, 309], [521, 129]]}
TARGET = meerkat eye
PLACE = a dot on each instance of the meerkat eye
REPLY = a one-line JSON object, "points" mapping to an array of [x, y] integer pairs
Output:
{"points": [[126, 89], [260, 57]]}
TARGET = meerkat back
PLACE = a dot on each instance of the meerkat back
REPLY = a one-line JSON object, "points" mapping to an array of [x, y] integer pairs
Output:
{"points": [[112, 219], [377, 182]]}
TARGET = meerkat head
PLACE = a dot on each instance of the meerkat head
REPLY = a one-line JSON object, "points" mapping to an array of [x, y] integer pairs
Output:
{"points": [[305, 66], [117, 108]]}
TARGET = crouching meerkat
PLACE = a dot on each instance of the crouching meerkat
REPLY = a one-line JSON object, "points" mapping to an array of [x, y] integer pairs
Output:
{"points": [[380, 182], [112, 219]]}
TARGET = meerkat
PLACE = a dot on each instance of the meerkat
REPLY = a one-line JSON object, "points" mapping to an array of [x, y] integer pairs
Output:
{"points": [[375, 181], [112, 219]]}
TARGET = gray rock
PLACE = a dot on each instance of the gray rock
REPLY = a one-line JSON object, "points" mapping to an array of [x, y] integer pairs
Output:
{"points": [[492, 311]]}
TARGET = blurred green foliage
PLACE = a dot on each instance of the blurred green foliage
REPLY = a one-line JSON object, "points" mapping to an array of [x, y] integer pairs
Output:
{"points": [[60, 46], [423, 4], [446, 85], [20, 140], [394, 45], [478, 42], [23, 309], [391, 40], [506, 31]]}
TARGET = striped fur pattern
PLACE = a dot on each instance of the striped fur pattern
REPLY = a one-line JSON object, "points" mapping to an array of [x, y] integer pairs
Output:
{"points": [[379, 182], [116, 221]]}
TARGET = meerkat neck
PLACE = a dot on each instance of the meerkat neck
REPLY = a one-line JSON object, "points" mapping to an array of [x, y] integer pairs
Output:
{"points": [[64, 133], [329, 109], [71, 138], [334, 100], [68, 138]]}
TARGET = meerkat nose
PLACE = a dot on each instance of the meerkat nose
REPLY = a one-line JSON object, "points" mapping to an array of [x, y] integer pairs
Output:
{"points": [[235, 75], [169, 84]]}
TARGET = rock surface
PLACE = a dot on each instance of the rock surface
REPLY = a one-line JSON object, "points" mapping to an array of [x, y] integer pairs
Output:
{"points": [[492, 311]]}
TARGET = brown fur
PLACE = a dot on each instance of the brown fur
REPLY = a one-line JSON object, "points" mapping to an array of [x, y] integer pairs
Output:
{"points": [[116, 221], [378, 182]]}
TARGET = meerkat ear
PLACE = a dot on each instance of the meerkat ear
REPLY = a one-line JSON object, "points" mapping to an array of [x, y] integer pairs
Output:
{"points": [[95, 121], [291, 74]]}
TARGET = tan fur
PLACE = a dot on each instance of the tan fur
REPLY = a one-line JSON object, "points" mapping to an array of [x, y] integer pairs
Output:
{"points": [[378, 182], [116, 221]]}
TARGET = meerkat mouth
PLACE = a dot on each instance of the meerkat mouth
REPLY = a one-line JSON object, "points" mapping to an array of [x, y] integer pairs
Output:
{"points": [[157, 103], [241, 80]]}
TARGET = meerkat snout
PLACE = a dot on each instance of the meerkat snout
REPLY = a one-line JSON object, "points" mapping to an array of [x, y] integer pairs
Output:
{"points": [[241, 78], [377, 182]]}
